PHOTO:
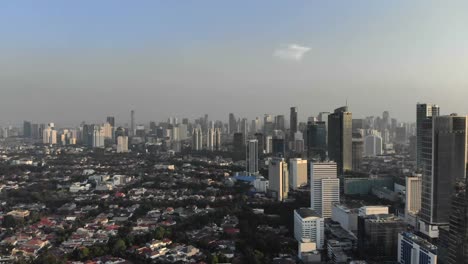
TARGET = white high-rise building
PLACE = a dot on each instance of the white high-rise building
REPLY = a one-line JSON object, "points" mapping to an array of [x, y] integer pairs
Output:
{"points": [[108, 131], [49, 135], [309, 227], [252, 156], [297, 173], [268, 144], [278, 178], [122, 144], [182, 131], [413, 194], [175, 133], [372, 145], [210, 140], [324, 187], [217, 138], [98, 137], [197, 139]]}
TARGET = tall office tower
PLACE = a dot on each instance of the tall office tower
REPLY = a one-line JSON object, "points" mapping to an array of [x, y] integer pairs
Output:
{"points": [[268, 125], [400, 135], [268, 144], [309, 227], [317, 140], [340, 138], [298, 146], [255, 127], [27, 129], [49, 136], [35, 131], [457, 248], [108, 131], [357, 151], [217, 138], [182, 129], [293, 122], [297, 173], [197, 139], [413, 198], [261, 142], [324, 187], [323, 117], [232, 124], [238, 142], [98, 137], [278, 179], [378, 236], [443, 160], [140, 131], [372, 145], [385, 120], [111, 120], [244, 127], [132, 123], [279, 122], [413, 249], [122, 144], [423, 111], [210, 140], [252, 156], [277, 146], [175, 133]]}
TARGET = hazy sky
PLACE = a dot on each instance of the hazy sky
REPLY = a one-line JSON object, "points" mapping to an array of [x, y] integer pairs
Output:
{"points": [[68, 61]]}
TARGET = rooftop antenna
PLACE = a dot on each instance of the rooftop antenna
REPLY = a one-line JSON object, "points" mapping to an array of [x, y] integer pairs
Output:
{"points": [[346, 101]]}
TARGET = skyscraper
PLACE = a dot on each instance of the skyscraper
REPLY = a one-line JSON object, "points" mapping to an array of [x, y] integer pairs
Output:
{"points": [[293, 122], [252, 156], [340, 138], [413, 198], [317, 140], [132, 123], [423, 111], [297, 173], [372, 145], [457, 248], [111, 120], [358, 150], [279, 122], [27, 129], [217, 139], [278, 179], [197, 139], [232, 124], [443, 160], [122, 144], [210, 140], [324, 187]]}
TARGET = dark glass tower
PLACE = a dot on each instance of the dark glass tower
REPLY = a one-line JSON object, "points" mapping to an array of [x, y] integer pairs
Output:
{"points": [[340, 138], [317, 140], [423, 111], [443, 160]]}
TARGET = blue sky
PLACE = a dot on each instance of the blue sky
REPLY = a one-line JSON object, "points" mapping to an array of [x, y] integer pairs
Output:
{"points": [[187, 58]]}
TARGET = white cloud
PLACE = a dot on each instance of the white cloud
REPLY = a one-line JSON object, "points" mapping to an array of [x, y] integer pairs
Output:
{"points": [[291, 52]]}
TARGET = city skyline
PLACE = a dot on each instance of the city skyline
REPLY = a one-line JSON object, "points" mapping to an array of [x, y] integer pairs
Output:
{"points": [[171, 59]]}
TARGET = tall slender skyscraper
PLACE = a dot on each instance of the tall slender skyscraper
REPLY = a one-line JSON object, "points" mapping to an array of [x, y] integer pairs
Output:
{"points": [[423, 111], [340, 138], [443, 160], [232, 124], [132, 123], [278, 178], [293, 122], [252, 156]]}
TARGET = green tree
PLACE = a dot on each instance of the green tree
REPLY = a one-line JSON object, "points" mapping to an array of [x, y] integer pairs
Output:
{"points": [[119, 246]]}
